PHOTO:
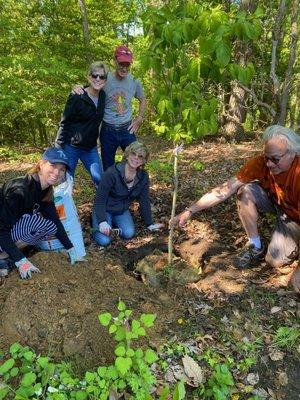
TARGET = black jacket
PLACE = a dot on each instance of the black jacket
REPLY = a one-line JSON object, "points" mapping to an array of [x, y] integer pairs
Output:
{"points": [[80, 122], [113, 195], [21, 196]]}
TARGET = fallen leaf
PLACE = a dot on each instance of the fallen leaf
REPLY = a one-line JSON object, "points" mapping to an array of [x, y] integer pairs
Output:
{"points": [[272, 393], [253, 378], [261, 393], [275, 310], [283, 379], [276, 355], [192, 370]]}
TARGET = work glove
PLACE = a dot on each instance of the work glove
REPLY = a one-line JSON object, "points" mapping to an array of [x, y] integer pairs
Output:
{"points": [[74, 256], [104, 228], [155, 227], [25, 268]]}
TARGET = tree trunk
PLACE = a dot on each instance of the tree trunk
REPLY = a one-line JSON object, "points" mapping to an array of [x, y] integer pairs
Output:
{"points": [[287, 85], [86, 31], [237, 111]]}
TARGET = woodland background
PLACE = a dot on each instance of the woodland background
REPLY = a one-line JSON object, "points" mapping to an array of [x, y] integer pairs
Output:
{"points": [[208, 67]]}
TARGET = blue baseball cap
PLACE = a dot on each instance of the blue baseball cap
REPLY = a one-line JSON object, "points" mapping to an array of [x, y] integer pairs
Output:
{"points": [[54, 155]]}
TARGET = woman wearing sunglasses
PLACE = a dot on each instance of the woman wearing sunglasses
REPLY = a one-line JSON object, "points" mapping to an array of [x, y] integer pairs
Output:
{"points": [[79, 127], [122, 183]]}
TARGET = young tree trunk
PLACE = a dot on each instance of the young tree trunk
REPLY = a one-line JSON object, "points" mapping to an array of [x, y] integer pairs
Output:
{"points": [[86, 30], [237, 111], [287, 84]]}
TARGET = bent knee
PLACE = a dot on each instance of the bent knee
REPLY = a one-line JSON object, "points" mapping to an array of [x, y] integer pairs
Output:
{"points": [[101, 240], [128, 234], [274, 262]]}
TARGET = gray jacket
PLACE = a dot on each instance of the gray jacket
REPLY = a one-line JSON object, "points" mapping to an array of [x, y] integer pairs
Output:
{"points": [[113, 195]]}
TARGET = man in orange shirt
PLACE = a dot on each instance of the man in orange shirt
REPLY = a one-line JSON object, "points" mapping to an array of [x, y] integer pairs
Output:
{"points": [[268, 183]]}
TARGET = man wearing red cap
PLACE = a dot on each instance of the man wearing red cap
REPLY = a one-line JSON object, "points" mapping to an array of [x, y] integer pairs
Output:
{"points": [[118, 127]]}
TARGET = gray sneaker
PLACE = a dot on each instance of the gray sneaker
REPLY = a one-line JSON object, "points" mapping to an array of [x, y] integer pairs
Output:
{"points": [[250, 256], [6, 265]]}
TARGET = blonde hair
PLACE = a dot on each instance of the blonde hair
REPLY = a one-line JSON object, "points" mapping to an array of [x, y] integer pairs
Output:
{"points": [[95, 66], [49, 196], [136, 147]]}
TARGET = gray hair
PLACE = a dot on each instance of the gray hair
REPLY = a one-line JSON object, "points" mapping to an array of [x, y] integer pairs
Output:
{"points": [[280, 132], [95, 66]]}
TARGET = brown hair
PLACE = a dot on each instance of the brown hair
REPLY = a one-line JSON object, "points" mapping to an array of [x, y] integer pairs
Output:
{"points": [[49, 196]]}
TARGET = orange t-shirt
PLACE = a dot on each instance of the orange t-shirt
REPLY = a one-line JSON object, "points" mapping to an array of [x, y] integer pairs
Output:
{"points": [[283, 189]]}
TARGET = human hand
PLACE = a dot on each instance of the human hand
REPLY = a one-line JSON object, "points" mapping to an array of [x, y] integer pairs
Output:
{"points": [[135, 124], [74, 256], [25, 268], [155, 227], [77, 89], [180, 219], [104, 228], [295, 280]]}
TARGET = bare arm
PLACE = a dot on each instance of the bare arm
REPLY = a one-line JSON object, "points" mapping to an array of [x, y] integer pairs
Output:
{"points": [[137, 122], [210, 199]]}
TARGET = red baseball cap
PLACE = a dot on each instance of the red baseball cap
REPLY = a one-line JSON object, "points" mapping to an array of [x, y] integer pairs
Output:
{"points": [[123, 54]]}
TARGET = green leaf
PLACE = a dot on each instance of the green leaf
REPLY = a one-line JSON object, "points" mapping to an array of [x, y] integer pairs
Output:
{"points": [[4, 392], [112, 328], [150, 356], [14, 372], [128, 313], [89, 376], [112, 372], [141, 331], [7, 366], [81, 395], [121, 306], [102, 371], [223, 54], [135, 325], [139, 353], [29, 355], [130, 353], [179, 391], [148, 319], [164, 394], [14, 348], [120, 334], [28, 379], [123, 364], [43, 361], [120, 351], [105, 319]]}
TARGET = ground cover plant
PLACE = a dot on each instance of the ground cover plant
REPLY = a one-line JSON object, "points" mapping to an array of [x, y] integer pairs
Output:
{"points": [[233, 335]]}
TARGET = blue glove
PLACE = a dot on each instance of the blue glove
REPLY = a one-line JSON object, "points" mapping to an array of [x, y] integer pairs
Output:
{"points": [[74, 256], [25, 268]]}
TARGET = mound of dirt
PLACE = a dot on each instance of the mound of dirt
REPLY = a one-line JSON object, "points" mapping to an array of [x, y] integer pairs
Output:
{"points": [[56, 312]]}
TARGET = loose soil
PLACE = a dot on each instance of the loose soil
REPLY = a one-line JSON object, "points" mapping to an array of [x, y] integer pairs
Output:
{"points": [[56, 311]]}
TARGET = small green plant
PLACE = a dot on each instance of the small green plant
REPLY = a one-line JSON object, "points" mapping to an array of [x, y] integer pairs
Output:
{"points": [[198, 166], [219, 384], [286, 337], [26, 375], [132, 365], [162, 170]]}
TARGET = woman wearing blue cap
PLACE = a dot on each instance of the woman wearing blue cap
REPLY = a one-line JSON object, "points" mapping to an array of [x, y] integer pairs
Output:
{"points": [[28, 214]]}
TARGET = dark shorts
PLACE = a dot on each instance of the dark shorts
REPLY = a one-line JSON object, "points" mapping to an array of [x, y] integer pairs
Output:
{"points": [[284, 244]]}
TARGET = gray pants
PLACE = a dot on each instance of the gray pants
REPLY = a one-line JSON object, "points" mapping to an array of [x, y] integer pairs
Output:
{"points": [[284, 245]]}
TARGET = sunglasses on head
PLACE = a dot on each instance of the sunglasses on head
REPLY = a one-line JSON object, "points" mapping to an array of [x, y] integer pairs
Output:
{"points": [[95, 76]]}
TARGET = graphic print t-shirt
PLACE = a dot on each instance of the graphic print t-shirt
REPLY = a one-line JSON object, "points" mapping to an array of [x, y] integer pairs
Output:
{"points": [[283, 189], [119, 95]]}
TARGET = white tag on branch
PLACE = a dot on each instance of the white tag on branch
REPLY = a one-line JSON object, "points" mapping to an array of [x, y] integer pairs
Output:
{"points": [[193, 370], [178, 149]]}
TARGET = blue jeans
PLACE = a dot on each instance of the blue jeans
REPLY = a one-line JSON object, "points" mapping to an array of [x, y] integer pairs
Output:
{"points": [[123, 221], [89, 158], [112, 137]]}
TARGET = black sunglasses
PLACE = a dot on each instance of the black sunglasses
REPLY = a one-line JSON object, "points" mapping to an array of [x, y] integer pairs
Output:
{"points": [[275, 160], [95, 76]]}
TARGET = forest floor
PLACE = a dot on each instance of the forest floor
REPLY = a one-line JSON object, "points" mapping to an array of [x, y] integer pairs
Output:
{"points": [[248, 320]]}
